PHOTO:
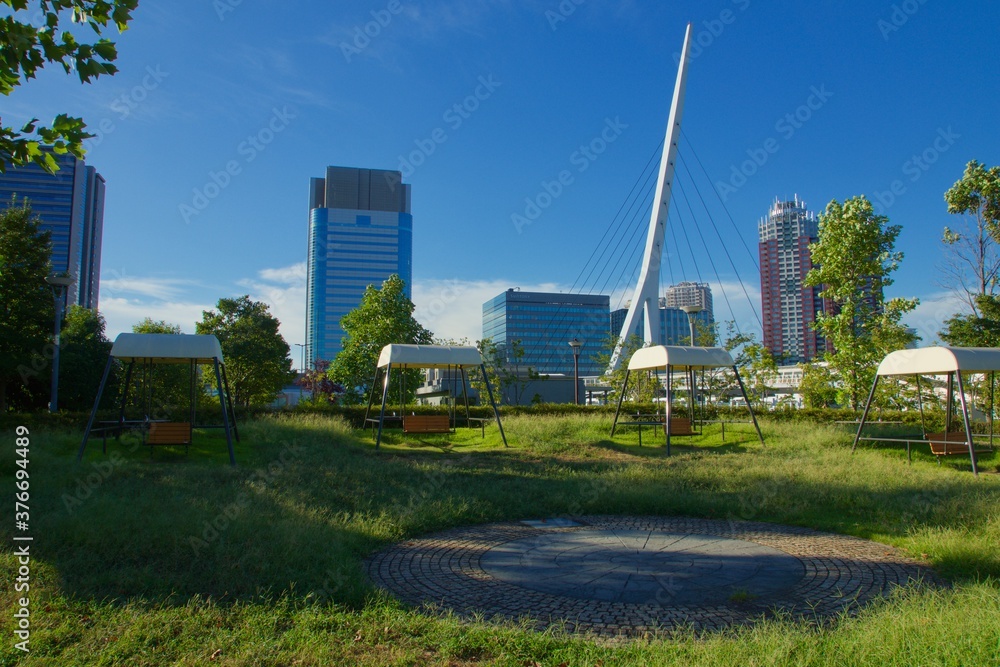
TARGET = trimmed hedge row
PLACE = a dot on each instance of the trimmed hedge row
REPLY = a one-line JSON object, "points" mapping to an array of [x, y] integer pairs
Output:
{"points": [[66, 420]]}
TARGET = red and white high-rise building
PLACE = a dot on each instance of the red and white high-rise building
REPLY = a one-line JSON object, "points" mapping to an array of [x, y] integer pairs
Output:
{"points": [[789, 308]]}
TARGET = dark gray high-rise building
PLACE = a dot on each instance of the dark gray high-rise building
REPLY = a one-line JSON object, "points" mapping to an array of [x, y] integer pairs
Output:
{"points": [[70, 204], [360, 233]]}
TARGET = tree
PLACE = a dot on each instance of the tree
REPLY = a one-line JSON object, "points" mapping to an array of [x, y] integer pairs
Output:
{"points": [[84, 350], [169, 389], [756, 364], [817, 387], [384, 316], [852, 264], [256, 355], [26, 46], [322, 390], [26, 303], [639, 390], [503, 366], [973, 263], [980, 329]]}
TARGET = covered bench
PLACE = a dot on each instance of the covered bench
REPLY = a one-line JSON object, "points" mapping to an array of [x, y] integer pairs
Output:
{"points": [[147, 351], [403, 356], [685, 359], [939, 360]]}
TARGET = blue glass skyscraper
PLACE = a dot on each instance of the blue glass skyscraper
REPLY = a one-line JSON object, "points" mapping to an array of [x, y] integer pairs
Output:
{"points": [[544, 323], [70, 204], [360, 233]]}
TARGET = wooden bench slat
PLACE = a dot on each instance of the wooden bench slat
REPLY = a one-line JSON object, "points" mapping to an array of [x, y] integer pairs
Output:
{"points": [[681, 426], [426, 424], [945, 444], [169, 433]]}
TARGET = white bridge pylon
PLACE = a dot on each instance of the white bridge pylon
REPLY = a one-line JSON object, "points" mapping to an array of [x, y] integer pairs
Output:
{"points": [[646, 298]]}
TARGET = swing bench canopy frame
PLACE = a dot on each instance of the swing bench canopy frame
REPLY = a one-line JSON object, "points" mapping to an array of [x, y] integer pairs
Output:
{"points": [[938, 360], [686, 358], [408, 356], [151, 349]]}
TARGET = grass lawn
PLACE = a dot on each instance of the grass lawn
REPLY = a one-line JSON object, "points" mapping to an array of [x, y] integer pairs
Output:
{"points": [[175, 560]]}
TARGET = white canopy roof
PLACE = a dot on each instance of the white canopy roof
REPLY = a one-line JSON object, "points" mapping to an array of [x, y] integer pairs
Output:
{"points": [[660, 356], [167, 348], [428, 356], [940, 360]]}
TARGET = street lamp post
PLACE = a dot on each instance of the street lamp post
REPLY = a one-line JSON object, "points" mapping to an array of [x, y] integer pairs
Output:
{"points": [[692, 311], [60, 284], [302, 356], [576, 345]]}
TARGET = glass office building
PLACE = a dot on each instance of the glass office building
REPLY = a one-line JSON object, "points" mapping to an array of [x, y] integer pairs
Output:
{"points": [[70, 204], [545, 323], [674, 326], [360, 233]]}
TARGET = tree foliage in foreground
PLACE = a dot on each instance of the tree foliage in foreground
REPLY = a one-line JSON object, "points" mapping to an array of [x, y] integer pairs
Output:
{"points": [[384, 316], [255, 353], [853, 263], [32, 37], [26, 303]]}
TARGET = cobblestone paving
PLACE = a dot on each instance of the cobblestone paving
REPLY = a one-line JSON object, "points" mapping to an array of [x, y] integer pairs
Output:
{"points": [[626, 576]]}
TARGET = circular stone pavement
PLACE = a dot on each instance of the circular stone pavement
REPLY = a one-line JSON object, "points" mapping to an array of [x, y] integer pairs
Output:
{"points": [[633, 575]]}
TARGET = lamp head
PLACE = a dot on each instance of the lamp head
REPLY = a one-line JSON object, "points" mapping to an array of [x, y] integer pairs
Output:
{"points": [[59, 279]]}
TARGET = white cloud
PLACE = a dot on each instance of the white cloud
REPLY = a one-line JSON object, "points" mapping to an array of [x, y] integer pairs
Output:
{"points": [[284, 291], [126, 300], [121, 314], [116, 283], [453, 309], [929, 317], [292, 275]]}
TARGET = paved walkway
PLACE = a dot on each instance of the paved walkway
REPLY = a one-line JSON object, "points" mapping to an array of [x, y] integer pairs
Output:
{"points": [[634, 575]]}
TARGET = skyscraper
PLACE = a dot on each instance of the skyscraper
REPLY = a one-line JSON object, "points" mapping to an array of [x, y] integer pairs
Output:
{"points": [[70, 204], [689, 294], [675, 328], [789, 308], [545, 323], [360, 233]]}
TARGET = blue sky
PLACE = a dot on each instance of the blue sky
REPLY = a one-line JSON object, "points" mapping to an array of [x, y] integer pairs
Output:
{"points": [[222, 111]]}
